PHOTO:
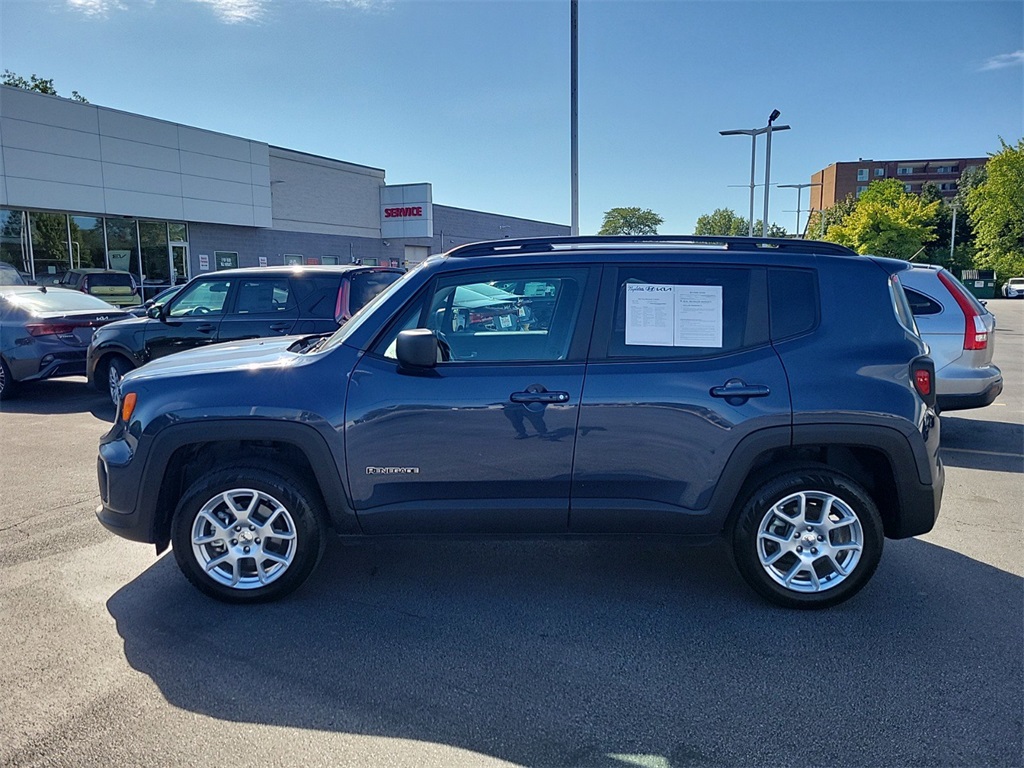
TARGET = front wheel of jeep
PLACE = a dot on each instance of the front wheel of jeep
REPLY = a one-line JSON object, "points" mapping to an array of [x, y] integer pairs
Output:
{"points": [[246, 534]]}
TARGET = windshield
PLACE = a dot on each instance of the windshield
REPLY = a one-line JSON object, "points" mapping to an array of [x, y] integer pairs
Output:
{"points": [[367, 309]]}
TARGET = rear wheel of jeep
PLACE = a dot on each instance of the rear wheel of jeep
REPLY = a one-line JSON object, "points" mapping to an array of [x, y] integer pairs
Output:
{"points": [[810, 538], [247, 534]]}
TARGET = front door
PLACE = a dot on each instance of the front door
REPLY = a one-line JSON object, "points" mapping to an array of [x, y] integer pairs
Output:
{"points": [[191, 319], [483, 443]]}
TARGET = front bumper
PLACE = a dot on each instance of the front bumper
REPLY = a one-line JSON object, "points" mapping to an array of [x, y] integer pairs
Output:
{"points": [[119, 473]]}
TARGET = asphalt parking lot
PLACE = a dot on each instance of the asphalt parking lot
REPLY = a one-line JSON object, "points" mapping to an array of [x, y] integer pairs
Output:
{"points": [[541, 654]]}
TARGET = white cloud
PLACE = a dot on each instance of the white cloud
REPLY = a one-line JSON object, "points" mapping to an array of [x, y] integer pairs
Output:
{"points": [[96, 7], [236, 11], [1004, 60], [227, 11]]}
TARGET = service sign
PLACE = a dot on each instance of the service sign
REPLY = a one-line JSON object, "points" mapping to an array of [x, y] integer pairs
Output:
{"points": [[406, 211]]}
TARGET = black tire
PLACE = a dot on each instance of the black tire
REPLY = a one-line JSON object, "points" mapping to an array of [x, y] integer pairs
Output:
{"points": [[799, 560], [110, 374], [263, 561], [7, 383]]}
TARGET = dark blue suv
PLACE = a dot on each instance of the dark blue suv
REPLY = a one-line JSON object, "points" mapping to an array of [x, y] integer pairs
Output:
{"points": [[570, 387]]}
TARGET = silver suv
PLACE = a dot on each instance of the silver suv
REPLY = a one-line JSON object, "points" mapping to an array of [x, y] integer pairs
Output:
{"points": [[959, 331]]}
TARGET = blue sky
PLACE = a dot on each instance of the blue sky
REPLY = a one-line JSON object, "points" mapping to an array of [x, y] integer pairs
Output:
{"points": [[473, 95]]}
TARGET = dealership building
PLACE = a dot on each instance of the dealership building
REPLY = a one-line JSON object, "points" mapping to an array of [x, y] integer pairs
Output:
{"points": [[87, 186]]}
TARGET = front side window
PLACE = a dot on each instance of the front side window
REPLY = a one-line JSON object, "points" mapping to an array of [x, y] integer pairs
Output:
{"points": [[499, 316], [202, 297], [688, 311]]}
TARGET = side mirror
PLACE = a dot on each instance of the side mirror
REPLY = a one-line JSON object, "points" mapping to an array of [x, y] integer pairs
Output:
{"points": [[156, 311], [417, 348]]}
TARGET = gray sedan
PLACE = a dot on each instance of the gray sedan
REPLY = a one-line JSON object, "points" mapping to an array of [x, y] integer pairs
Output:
{"points": [[45, 332]]}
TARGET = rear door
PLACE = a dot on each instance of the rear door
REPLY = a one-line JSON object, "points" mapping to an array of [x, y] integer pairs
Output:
{"points": [[264, 305], [681, 370]]}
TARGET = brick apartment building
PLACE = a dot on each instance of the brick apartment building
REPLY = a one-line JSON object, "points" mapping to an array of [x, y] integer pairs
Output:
{"points": [[842, 179]]}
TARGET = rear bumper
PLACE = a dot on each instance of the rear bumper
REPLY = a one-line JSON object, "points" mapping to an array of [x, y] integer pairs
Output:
{"points": [[959, 402]]}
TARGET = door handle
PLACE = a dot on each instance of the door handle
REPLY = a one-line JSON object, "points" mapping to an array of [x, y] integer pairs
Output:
{"points": [[280, 326], [530, 398], [737, 391], [206, 328]]}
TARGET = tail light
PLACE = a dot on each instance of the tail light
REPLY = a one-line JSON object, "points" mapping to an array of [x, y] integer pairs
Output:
{"points": [[975, 332], [922, 374], [49, 329]]}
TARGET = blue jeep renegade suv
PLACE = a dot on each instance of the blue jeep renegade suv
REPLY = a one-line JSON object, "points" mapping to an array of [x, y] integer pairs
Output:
{"points": [[772, 392]]}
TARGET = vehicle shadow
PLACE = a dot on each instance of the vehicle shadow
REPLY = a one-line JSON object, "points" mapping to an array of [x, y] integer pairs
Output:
{"points": [[59, 396], [997, 446], [600, 654]]}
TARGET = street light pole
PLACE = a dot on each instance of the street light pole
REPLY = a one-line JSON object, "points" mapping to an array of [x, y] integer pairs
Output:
{"points": [[952, 232], [799, 188], [574, 228], [753, 133]]}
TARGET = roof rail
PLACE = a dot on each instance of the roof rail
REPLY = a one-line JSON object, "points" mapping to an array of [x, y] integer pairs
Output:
{"points": [[543, 244]]}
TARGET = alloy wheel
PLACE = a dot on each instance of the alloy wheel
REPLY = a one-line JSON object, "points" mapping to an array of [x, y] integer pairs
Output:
{"points": [[810, 541]]}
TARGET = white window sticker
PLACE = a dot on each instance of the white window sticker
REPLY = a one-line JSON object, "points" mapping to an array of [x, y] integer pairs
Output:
{"points": [[674, 315], [649, 314]]}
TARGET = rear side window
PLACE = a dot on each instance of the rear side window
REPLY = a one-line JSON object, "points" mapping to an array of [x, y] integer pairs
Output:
{"points": [[682, 312], [366, 285], [921, 304], [317, 295], [794, 302], [264, 296]]}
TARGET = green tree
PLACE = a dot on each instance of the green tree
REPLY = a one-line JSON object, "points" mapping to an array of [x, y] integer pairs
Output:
{"points": [[35, 83], [726, 222], [996, 210], [835, 215], [723, 221], [630, 221], [938, 251], [887, 221]]}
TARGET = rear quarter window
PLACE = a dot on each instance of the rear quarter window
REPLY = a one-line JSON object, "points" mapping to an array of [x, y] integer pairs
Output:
{"points": [[921, 304], [793, 302]]}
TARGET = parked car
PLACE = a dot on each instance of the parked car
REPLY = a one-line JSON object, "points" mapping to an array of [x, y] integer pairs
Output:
{"points": [[1014, 288], [236, 304], [959, 331], [142, 310], [44, 332], [686, 388], [10, 276], [112, 285]]}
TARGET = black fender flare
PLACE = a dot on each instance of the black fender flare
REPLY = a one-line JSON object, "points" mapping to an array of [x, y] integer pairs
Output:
{"points": [[326, 466]]}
